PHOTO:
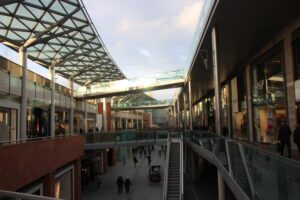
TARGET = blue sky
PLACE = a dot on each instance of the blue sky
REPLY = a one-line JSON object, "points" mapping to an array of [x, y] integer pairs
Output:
{"points": [[143, 37]]}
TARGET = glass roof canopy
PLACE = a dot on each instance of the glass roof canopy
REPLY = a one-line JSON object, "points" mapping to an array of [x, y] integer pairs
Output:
{"points": [[60, 34]]}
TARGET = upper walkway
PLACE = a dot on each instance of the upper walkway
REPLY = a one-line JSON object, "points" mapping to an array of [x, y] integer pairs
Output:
{"points": [[141, 105], [171, 79]]}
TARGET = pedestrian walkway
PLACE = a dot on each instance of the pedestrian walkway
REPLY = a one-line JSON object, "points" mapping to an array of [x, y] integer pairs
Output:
{"points": [[141, 189]]}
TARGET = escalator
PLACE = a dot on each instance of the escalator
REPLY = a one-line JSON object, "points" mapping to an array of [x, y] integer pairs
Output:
{"points": [[173, 187], [238, 168]]}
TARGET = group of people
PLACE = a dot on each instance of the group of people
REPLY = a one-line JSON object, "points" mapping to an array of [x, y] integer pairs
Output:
{"points": [[120, 183]]}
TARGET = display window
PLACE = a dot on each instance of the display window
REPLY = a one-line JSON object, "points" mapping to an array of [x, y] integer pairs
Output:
{"points": [[239, 107], [269, 101], [224, 107], [8, 124], [37, 122]]}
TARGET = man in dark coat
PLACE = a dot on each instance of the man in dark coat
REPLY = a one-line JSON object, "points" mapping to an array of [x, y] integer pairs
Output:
{"points": [[297, 137], [127, 184], [284, 138], [135, 161], [120, 183]]}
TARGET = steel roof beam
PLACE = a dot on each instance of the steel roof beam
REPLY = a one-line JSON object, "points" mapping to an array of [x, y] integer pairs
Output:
{"points": [[34, 41], [7, 2], [59, 23]]}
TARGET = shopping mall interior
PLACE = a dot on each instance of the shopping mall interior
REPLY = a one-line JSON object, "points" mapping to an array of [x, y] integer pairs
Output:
{"points": [[88, 111]]}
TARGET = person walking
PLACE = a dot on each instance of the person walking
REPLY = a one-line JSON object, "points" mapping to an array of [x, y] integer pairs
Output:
{"points": [[284, 138], [120, 183], [135, 161], [297, 137], [145, 153], [149, 159], [141, 153], [127, 184]]}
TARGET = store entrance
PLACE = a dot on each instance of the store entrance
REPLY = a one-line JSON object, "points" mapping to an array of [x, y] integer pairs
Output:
{"points": [[8, 124]]}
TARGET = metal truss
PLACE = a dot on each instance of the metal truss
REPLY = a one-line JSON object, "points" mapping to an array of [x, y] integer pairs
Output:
{"points": [[60, 34]]}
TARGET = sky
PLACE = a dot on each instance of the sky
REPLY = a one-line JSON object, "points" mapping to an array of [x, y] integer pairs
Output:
{"points": [[143, 37], [147, 37]]}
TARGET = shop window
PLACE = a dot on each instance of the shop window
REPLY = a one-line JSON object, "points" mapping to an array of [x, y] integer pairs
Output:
{"points": [[297, 58], [268, 94], [37, 123], [239, 107], [8, 124]]}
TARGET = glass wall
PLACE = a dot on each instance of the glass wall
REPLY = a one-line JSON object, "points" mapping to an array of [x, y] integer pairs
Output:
{"points": [[8, 124], [224, 110], [37, 122], [61, 122], [239, 107], [268, 91]]}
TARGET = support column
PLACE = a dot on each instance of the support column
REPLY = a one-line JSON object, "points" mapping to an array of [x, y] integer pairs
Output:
{"points": [[221, 184], [85, 116], [104, 114], [178, 113], [216, 83], [72, 106], [23, 110], [190, 104], [184, 110], [52, 109], [221, 187], [249, 105], [290, 82]]}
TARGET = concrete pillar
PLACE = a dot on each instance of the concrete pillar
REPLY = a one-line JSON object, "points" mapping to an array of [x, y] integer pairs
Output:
{"points": [[221, 187], [290, 82], [216, 83], [249, 105], [178, 113], [23, 109], [190, 104], [104, 114], [85, 116], [184, 112], [52, 109], [72, 106]]}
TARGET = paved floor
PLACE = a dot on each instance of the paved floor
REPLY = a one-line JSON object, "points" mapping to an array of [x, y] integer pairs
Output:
{"points": [[141, 190]]}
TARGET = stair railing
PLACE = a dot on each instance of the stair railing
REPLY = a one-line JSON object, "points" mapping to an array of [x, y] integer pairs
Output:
{"points": [[246, 168], [228, 158], [166, 171], [181, 171], [4, 194]]}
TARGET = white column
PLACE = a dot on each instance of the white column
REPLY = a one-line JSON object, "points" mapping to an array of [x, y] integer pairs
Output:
{"points": [[104, 114], [52, 109], [221, 186], [72, 106], [178, 113], [190, 104], [216, 83], [23, 113], [85, 116], [184, 111]]}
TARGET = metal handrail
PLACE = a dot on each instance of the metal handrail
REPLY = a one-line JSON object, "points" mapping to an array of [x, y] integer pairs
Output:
{"points": [[228, 159], [165, 189], [181, 170], [246, 170], [4, 193], [36, 139]]}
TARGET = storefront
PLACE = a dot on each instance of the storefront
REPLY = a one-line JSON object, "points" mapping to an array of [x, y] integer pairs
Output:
{"points": [[62, 124], [296, 47], [8, 124], [239, 107], [268, 92], [37, 122], [224, 110]]}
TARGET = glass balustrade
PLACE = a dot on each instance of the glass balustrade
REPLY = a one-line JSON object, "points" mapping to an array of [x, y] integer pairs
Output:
{"points": [[270, 176]]}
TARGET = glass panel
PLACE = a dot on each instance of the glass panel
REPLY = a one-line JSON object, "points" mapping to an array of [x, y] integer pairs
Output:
{"points": [[4, 124], [268, 98]]}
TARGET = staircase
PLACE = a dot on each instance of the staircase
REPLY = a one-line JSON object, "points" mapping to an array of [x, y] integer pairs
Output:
{"points": [[174, 174], [238, 168]]}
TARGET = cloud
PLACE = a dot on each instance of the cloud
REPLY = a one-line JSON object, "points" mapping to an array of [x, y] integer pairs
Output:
{"points": [[190, 16], [145, 53]]}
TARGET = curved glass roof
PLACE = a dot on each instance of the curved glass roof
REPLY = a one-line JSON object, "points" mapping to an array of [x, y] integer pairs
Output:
{"points": [[58, 33]]}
